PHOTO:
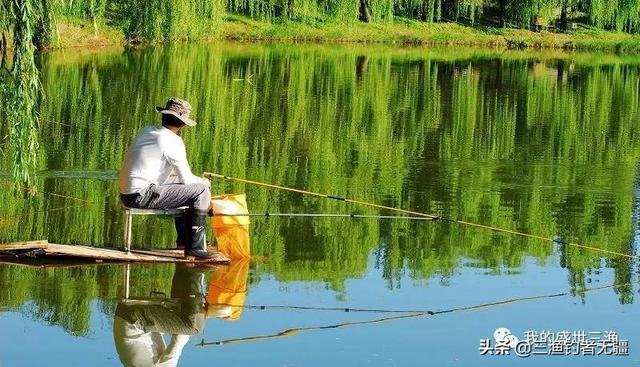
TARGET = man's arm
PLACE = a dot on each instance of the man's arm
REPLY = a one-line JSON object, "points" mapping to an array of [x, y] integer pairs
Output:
{"points": [[177, 157]]}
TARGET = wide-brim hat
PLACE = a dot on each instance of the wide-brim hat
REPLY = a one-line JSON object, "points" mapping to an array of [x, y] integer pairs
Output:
{"points": [[178, 108]]}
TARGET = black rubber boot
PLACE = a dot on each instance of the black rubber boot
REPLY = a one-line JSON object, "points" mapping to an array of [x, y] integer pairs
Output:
{"points": [[183, 229], [197, 247]]}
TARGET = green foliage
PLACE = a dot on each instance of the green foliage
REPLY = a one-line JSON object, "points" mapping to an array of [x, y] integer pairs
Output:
{"points": [[33, 23], [44, 22], [524, 11], [90, 9], [546, 147], [21, 89], [165, 20], [622, 15], [6, 15]]}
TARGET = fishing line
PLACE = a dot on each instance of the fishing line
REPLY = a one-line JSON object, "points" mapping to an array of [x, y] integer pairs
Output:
{"points": [[64, 196], [68, 197], [26, 189], [379, 310], [320, 215], [412, 315], [41, 211], [431, 216], [316, 308]]}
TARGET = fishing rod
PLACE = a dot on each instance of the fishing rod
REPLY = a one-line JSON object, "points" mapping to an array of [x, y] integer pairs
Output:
{"points": [[321, 215], [420, 214], [317, 194], [411, 315]]}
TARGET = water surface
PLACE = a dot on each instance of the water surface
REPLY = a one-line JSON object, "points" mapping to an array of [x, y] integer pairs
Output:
{"points": [[546, 144]]}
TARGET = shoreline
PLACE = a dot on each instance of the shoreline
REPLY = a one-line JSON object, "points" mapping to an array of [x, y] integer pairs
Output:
{"points": [[76, 34]]}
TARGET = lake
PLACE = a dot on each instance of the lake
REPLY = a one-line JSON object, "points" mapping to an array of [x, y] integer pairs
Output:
{"points": [[543, 143]]}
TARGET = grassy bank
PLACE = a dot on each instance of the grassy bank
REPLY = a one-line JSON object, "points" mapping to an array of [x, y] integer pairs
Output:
{"points": [[81, 33], [74, 32]]}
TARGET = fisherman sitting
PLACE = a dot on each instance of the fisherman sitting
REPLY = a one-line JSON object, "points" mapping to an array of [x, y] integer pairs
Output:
{"points": [[156, 175]]}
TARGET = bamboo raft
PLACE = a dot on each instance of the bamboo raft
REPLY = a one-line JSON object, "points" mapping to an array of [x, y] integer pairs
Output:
{"points": [[42, 252]]}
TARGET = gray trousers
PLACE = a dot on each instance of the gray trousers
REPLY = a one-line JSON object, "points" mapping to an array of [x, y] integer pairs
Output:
{"points": [[172, 195]]}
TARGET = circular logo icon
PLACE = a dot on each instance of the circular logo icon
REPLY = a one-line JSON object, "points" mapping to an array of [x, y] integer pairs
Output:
{"points": [[503, 335]]}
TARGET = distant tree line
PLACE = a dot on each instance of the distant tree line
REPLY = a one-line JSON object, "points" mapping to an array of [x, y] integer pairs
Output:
{"points": [[184, 19]]}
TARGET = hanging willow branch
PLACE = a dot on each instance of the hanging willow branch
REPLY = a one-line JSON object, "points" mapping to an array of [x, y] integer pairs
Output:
{"points": [[22, 95]]}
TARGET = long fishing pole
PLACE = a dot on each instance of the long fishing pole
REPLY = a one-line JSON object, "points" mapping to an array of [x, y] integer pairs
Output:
{"points": [[412, 315], [420, 214], [320, 215], [325, 196]]}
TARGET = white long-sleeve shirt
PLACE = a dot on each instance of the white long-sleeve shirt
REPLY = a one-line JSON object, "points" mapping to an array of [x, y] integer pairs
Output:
{"points": [[152, 157]]}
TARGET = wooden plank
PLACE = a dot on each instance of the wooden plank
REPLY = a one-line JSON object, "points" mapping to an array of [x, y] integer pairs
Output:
{"points": [[178, 255], [119, 255], [50, 262], [168, 253], [99, 253], [25, 245]]}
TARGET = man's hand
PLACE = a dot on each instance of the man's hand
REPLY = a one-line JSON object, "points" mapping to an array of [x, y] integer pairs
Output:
{"points": [[206, 182]]}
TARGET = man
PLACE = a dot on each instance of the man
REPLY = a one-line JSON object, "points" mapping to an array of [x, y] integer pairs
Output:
{"points": [[156, 175]]}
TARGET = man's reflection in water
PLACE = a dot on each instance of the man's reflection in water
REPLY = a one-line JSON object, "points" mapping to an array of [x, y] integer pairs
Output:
{"points": [[139, 325]]}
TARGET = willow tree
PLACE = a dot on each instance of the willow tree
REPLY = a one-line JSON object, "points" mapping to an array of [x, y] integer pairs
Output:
{"points": [[21, 84], [43, 15], [620, 15], [566, 6], [525, 11], [167, 20], [629, 20], [4, 28], [92, 10], [471, 8], [434, 10]]}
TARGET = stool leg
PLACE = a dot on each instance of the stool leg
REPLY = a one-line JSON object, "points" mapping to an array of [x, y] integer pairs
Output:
{"points": [[125, 223], [130, 234], [127, 275], [128, 218]]}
